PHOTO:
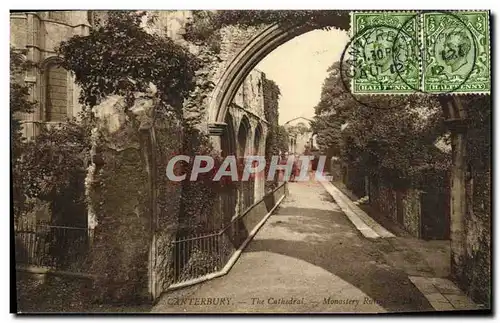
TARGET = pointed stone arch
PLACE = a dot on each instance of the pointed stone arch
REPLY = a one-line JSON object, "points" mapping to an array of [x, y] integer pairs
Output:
{"points": [[257, 140], [244, 134], [263, 43], [228, 143], [258, 150]]}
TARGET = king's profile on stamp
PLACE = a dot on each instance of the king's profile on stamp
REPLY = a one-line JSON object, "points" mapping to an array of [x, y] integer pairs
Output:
{"points": [[432, 52]]}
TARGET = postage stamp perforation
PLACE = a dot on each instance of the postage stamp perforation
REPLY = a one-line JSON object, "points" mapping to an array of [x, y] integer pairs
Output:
{"points": [[459, 93], [434, 52]]}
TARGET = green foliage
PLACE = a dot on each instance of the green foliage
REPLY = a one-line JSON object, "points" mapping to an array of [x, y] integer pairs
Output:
{"points": [[298, 129], [395, 144], [199, 202], [328, 139], [53, 168], [54, 158], [19, 99], [479, 151], [205, 23], [276, 138], [119, 57], [282, 139], [19, 103], [271, 93], [202, 263]]}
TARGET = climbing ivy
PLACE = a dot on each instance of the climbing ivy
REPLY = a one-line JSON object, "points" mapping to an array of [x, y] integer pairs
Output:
{"points": [[53, 167], [394, 144], [119, 57], [19, 103], [277, 138], [206, 23]]}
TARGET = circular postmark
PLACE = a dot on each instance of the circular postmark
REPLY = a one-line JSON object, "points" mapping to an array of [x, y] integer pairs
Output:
{"points": [[375, 60], [448, 52], [393, 57]]}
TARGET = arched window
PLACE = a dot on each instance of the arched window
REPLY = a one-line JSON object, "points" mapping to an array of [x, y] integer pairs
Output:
{"points": [[56, 93], [257, 138], [246, 187], [243, 134], [229, 195]]}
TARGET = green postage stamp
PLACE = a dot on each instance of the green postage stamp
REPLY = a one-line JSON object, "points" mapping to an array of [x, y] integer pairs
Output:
{"points": [[419, 52]]}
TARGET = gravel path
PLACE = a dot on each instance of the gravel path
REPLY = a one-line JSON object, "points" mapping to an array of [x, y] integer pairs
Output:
{"points": [[308, 257]]}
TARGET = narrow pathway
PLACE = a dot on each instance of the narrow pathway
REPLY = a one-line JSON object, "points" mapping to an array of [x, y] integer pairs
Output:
{"points": [[308, 257]]}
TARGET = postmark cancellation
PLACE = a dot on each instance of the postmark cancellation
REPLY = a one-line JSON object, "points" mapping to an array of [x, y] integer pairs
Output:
{"points": [[438, 52]]}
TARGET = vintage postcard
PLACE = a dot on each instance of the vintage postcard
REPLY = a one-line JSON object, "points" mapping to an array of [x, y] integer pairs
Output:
{"points": [[251, 161]]}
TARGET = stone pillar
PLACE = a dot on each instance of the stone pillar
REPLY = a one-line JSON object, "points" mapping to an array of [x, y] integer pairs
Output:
{"points": [[458, 202], [131, 250], [260, 181], [216, 130], [30, 126], [458, 208]]}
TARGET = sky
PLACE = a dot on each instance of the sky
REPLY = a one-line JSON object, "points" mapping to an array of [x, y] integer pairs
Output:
{"points": [[299, 67]]}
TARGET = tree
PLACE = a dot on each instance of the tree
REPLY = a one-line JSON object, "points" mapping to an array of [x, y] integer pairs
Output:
{"points": [[282, 139], [54, 168], [395, 144], [120, 57], [19, 104], [19, 98], [330, 112], [206, 23], [271, 93]]}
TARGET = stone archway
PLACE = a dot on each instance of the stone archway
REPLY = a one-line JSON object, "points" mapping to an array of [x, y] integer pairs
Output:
{"points": [[251, 54], [243, 147], [258, 151], [268, 39], [229, 196]]}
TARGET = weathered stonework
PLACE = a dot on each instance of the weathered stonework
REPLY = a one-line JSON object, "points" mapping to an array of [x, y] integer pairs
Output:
{"points": [[40, 33], [385, 199], [300, 135], [135, 205], [411, 212], [386, 202], [474, 276], [132, 207]]}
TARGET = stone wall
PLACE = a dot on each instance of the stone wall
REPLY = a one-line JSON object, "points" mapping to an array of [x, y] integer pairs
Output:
{"points": [[232, 40], [411, 212], [253, 94], [475, 275], [387, 200], [250, 96], [135, 206], [167, 143], [39, 33], [476, 279]]}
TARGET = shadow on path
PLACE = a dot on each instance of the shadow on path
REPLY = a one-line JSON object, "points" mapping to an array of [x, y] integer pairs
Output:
{"points": [[327, 239]]}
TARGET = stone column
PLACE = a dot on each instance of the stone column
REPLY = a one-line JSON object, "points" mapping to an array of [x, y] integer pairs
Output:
{"points": [[456, 122], [216, 130], [122, 199]]}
